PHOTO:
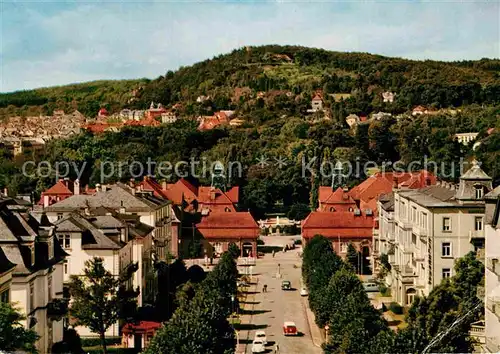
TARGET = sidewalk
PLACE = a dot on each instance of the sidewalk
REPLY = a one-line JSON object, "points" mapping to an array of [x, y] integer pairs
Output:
{"points": [[246, 318], [317, 334]]}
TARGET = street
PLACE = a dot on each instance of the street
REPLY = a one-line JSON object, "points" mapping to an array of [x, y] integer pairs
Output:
{"points": [[268, 310]]}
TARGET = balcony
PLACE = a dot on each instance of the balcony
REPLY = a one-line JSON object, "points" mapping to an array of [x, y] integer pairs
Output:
{"points": [[493, 305], [477, 332], [476, 235], [492, 264], [405, 224], [420, 231]]}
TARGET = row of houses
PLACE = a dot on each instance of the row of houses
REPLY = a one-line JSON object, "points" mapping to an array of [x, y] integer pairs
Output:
{"points": [[422, 225], [141, 222]]}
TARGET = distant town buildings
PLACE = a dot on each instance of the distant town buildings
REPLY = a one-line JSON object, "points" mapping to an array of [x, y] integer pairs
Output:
{"points": [[31, 133]]}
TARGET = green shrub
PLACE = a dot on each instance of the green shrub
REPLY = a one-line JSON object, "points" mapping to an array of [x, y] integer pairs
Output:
{"points": [[396, 308], [384, 290], [92, 342]]}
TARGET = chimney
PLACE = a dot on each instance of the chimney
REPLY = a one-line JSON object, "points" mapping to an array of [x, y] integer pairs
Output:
{"points": [[146, 178], [97, 187], [76, 186], [212, 194], [427, 181], [5, 192], [164, 185], [104, 187], [131, 183], [46, 201]]}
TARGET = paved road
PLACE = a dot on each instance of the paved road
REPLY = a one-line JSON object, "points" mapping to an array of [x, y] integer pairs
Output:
{"points": [[276, 306]]}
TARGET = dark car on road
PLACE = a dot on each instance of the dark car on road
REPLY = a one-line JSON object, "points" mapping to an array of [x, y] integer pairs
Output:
{"points": [[286, 285]]}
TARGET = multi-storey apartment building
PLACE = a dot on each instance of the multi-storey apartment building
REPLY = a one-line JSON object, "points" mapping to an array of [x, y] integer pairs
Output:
{"points": [[110, 237], [433, 226], [31, 276], [492, 272]]}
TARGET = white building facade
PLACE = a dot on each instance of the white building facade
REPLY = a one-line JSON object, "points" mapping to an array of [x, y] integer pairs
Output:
{"points": [[492, 273], [433, 226], [35, 283]]}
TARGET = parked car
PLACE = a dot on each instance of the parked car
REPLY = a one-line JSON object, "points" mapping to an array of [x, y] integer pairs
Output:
{"points": [[289, 329], [286, 285], [258, 346], [303, 292], [370, 287], [261, 335]]}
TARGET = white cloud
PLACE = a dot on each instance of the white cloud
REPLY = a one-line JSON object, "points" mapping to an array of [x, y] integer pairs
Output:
{"points": [[130, 40]]}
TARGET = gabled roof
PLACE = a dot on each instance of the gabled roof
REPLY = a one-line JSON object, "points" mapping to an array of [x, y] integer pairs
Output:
{"points": [[342, 224], [475, 173], [60, 188], [228, 225], [92, 237], [339, 197]]}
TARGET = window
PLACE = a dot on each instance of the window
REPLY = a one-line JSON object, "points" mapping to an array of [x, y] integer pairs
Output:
{"points": [[32, 249], [446, 273], [4, 297], [343, 247], [32, 296], [413, 238], [424, 220], [49, 288], [65, 241], [446, 249], [413, 214], [479, 192], [59, 216], [65, 267], [50, 246], [478, 224], [446, 224], [227, 210]]}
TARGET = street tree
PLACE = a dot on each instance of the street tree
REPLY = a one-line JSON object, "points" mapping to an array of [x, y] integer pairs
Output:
{"points": [[99, 298], [13, 335], [352, 257]]}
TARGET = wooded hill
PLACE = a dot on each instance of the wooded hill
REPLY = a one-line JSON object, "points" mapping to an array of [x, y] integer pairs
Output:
{"points": [[231, 79]]}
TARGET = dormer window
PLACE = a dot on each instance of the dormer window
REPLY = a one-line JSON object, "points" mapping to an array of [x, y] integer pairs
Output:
{"points": [[479, 192], [332, 209], [227, 210]]}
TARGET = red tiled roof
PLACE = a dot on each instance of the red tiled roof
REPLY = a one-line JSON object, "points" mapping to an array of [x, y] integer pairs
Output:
{"points": [[339, 197], [60, 188], [341, 224], [228, 225], [141, 327], [234, 194]]}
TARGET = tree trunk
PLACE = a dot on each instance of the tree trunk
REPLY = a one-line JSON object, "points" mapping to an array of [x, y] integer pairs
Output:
{"points": [[103, 342]]}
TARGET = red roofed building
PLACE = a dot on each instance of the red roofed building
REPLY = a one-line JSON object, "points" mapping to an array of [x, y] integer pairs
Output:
{"points": [[210, 122], [64, 188], [342, 228], [155, 112], [219, 229], [139, 335], [220, 222], [351, 215]]}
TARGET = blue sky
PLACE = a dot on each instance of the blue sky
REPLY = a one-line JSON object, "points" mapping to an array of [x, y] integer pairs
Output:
{"points": [[54, 43]]}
